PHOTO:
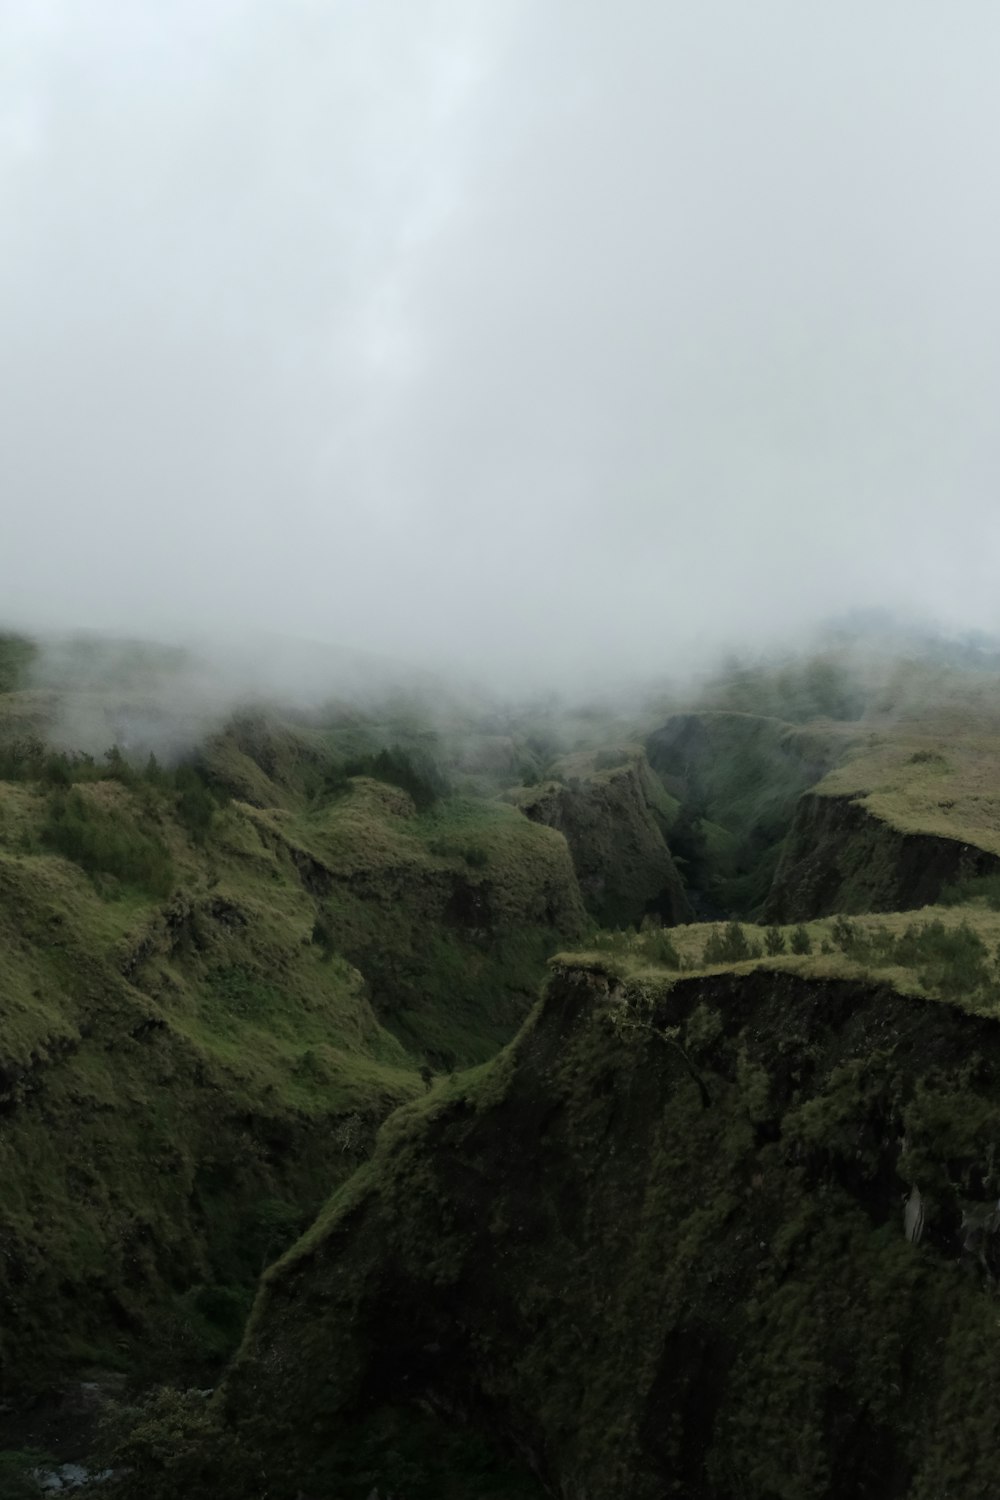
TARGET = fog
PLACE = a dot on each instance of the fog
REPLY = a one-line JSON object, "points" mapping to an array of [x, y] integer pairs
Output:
{"points": [[509, 339]]}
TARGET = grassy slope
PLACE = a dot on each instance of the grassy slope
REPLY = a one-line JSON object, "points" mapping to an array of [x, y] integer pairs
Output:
{"points": [[926, 757], [632, 957], [450, 914], [936, 781], [204, 1051], [173, 1077], [187, 1070]]}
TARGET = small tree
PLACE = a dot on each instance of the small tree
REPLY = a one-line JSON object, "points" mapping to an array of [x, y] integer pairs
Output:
{"points": [[196, 807], [801, 941], [662, 950], [774, 941], [731, 946], [845, 934]]}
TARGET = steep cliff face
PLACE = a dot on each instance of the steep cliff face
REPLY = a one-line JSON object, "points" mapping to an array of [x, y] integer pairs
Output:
{"points": [[840, 857], [732, 1237], [613, 820]]}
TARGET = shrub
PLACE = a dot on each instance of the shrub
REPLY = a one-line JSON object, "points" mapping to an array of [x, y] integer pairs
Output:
{"points": [[730, 946], [106, 843], [413, 771], [950, 960], [801, 941], [774, 941], [21, 760], [174, 1444], [16, 655], [844, 933], [196, 804], [661, 949], [978, 888], [57, 770], [611, 940]]}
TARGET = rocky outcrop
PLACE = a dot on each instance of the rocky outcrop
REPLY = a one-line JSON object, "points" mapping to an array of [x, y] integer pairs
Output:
{"points": [[840, 857], [612, 821], [663, 1245]]}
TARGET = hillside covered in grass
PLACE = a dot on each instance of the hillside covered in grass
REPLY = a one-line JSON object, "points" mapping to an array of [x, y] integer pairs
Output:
{"points": [[220, 972], [272, 1041]]}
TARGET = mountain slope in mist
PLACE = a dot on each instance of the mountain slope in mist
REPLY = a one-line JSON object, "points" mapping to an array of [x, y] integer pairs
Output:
{"points": [[235, 972]]}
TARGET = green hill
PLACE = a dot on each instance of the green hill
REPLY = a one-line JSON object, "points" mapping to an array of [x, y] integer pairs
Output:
{"points": [[216, 981], [714, 1217]]}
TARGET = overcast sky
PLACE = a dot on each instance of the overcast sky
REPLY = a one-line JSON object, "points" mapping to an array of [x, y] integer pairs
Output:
{"points": [[485, 332]]}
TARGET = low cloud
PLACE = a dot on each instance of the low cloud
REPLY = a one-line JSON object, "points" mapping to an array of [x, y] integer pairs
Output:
{"points": [[516, 341]]}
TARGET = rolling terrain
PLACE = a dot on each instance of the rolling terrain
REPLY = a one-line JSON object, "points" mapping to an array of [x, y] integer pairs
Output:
{"points": [[715, 1216]]}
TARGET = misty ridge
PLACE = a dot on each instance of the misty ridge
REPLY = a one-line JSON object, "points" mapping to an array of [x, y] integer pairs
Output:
{"points": [[89, 694]]}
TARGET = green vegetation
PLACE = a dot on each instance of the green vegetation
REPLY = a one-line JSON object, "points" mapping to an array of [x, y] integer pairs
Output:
{"points": [[737, 779], [16, 656], [820, 687], [206, 969], [801, 942], [187, 1133], [173, 1440], [730, 946], [617, 819], [774, 941], [952, 954], [657, 945], [828, 1101], [933, 779], [270, 1042], [984, 888], [104, 839], [453, 947], [18, 1470], [949, 961], [413, 771]]}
